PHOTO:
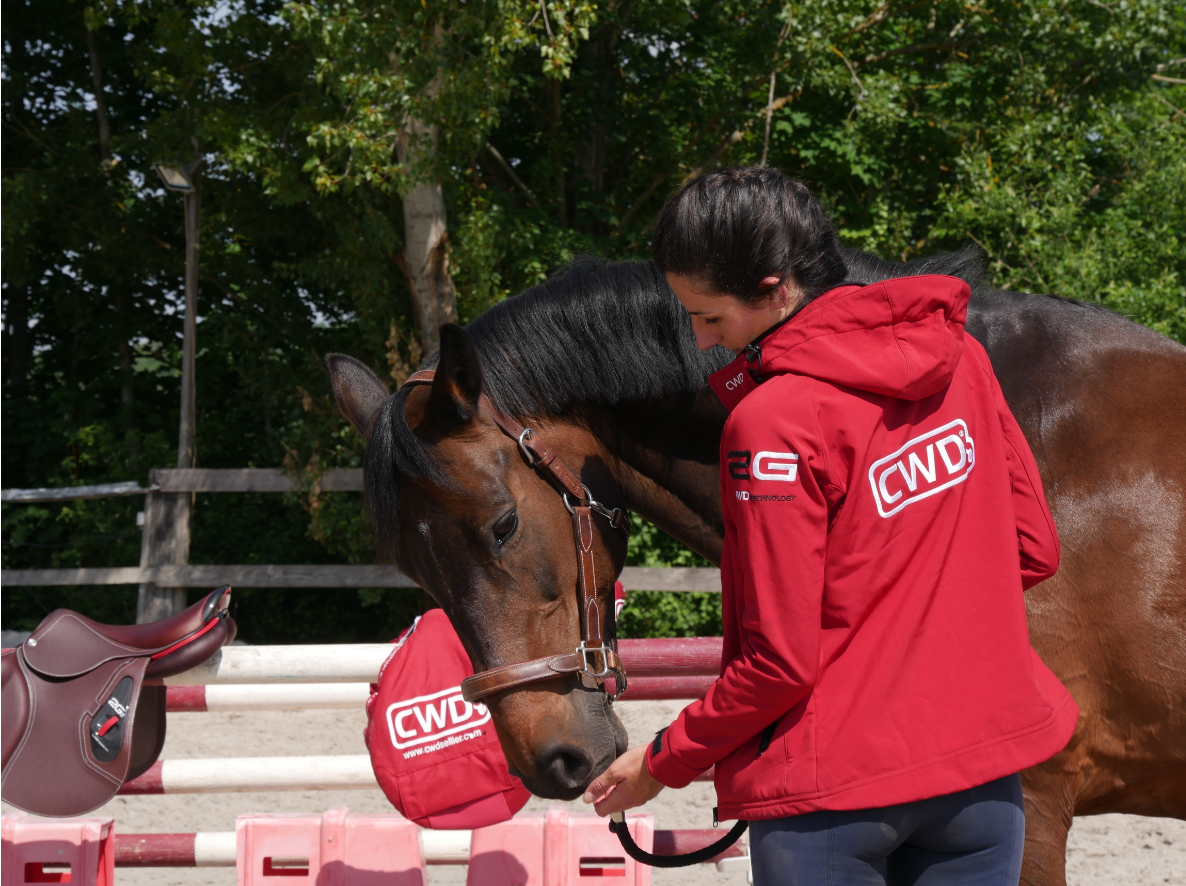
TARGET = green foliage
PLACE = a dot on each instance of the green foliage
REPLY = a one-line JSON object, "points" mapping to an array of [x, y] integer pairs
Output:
{"points": [[659, 614], [1052, 133], [1099, 218]]}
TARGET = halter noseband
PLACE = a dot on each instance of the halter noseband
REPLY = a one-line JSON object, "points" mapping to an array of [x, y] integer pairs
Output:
{"points": [[593, 658]]}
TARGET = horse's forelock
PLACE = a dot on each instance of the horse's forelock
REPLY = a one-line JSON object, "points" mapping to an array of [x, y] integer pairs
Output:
{"points": [[394, 454]]}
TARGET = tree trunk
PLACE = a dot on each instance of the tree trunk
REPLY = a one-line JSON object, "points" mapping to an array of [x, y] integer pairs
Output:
{"points": [[596, 57], [100, 100], [425, 260], [556, 108], [127, 394], [16, 348]]}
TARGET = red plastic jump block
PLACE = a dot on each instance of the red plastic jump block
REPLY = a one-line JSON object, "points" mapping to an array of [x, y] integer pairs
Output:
{"points": [[80, 851], [337, 848], [558, 850]]}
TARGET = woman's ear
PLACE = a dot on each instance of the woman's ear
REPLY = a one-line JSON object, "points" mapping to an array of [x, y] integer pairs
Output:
{"points": [[458, 381], [357, 391], [778, 297]]}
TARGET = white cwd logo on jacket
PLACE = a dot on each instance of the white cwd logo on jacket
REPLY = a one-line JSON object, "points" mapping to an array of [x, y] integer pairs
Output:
{"points": [[926, 465], [429, 717]]}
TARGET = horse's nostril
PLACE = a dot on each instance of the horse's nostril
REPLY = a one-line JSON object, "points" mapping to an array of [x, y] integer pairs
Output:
{"points": [[568, 766]]}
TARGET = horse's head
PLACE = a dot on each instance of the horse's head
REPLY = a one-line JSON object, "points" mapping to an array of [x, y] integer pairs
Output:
{"points": [[458, 507]]}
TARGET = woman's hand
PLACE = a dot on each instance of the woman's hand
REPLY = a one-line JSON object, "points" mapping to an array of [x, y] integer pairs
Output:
{"points": [[626, 784]]}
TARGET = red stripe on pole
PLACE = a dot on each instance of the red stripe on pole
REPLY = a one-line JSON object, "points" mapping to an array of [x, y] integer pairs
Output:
{"points": [[151, 782], [185, 699], [661, 688], [675, 657], [154, 850]]}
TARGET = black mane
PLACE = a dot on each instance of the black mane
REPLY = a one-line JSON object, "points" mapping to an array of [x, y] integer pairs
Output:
{"points": [[597, 333], [967, 263], [602, 333]]}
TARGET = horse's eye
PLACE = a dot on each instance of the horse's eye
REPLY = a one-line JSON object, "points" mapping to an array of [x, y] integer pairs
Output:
{"points": [[506, 527]]}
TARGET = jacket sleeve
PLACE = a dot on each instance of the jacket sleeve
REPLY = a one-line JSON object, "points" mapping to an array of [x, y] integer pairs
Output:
{"points": [[1037, 538], [772, 572]]}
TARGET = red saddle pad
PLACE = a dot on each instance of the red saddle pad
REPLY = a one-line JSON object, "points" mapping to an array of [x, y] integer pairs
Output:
{"points": [[435, 755]]}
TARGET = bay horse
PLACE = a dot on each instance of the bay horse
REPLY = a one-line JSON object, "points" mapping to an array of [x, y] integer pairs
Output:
{"points": [[601, 363]]}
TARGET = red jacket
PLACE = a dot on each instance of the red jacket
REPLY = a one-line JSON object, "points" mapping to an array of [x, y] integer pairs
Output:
{"points": [[883, 514]]}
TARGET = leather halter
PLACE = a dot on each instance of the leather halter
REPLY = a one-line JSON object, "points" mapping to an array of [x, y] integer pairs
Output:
{"points": [[593, 657]]}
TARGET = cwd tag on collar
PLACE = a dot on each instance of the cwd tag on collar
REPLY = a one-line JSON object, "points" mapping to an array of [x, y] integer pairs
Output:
{"points": [[732, 383]]}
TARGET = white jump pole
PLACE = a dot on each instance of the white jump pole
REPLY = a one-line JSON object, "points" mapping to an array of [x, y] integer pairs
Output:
{"points": [[217, 849], [238, 774], [341, 663]]}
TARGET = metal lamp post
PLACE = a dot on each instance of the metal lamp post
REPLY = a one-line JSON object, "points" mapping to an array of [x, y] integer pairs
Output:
{"points": [[186, 180], [166, 515]]}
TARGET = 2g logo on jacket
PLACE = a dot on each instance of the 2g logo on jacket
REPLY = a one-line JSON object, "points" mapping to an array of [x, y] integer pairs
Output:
{"points": [[926, 465], [766, 465], [739, 464]]}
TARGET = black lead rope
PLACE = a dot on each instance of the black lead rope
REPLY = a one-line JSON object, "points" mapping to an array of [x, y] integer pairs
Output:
{"points": [[618, 826]]}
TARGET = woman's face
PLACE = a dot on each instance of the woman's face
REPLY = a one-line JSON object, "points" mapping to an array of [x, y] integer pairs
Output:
{"points": [[721, 319]]}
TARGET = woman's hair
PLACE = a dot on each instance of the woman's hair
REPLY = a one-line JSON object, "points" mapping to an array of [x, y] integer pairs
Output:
{"points": [[732, 228]]}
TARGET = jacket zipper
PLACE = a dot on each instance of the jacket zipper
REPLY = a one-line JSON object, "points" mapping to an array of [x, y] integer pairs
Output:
{"points": [[765, 738], [753, 351]]}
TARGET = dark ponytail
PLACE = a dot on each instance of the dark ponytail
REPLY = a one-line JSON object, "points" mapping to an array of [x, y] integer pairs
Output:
{"points": [[732, 228]]}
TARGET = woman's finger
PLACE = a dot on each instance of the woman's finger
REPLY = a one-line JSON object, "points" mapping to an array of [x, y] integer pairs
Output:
{"points": [[615, 801], [604, 783]]}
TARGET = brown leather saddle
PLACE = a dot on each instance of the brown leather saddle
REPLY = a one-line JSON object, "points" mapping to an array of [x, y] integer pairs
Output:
{"points": [[78, 720]]}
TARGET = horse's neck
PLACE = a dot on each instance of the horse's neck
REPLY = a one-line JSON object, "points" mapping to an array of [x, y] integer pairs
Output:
{"points": [[665, 455]]}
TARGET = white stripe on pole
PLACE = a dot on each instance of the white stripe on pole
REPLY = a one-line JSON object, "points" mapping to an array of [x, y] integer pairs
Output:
{"points": [[343, 663], [445, 847], [297, 696], [214, 850], [351, 772]]}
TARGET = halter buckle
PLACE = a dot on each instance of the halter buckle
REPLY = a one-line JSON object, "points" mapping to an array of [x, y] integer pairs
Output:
{"points": [[588, 502], [527, 453], [590, 670]]}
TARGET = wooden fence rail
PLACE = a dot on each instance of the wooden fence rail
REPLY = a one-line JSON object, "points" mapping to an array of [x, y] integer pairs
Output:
{"points": [[163, 570], [175, 480], [635, 578]]}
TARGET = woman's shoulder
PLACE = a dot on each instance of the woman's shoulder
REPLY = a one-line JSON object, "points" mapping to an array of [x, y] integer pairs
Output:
{"points": [[781, 399]]}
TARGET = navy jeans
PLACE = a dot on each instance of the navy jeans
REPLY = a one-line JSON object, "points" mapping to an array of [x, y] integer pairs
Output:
{"points": [[969, 838]]}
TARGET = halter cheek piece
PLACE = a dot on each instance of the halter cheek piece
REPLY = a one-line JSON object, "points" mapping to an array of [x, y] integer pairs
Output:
{"points": [[594, 657]]}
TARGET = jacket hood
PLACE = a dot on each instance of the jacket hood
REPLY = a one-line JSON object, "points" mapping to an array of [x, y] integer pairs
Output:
{"points": [[899, 338]]}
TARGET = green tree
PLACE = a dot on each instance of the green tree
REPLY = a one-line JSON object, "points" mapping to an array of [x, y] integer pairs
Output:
{"points": [[1051, 133]]}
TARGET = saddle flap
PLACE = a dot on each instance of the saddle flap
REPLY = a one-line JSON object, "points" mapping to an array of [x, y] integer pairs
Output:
{"points": [[80, 738], [65, 645], [16, 704]]}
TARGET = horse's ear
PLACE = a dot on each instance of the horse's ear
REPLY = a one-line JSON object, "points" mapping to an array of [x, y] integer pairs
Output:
{"points": [[458, 382], [357, 390]]}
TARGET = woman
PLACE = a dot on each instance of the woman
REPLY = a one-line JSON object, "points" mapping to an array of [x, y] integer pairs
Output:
{"points": [[883, 515]]}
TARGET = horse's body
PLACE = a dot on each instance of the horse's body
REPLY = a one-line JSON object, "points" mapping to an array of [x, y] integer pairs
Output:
{"points": [[1102, 402]]}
